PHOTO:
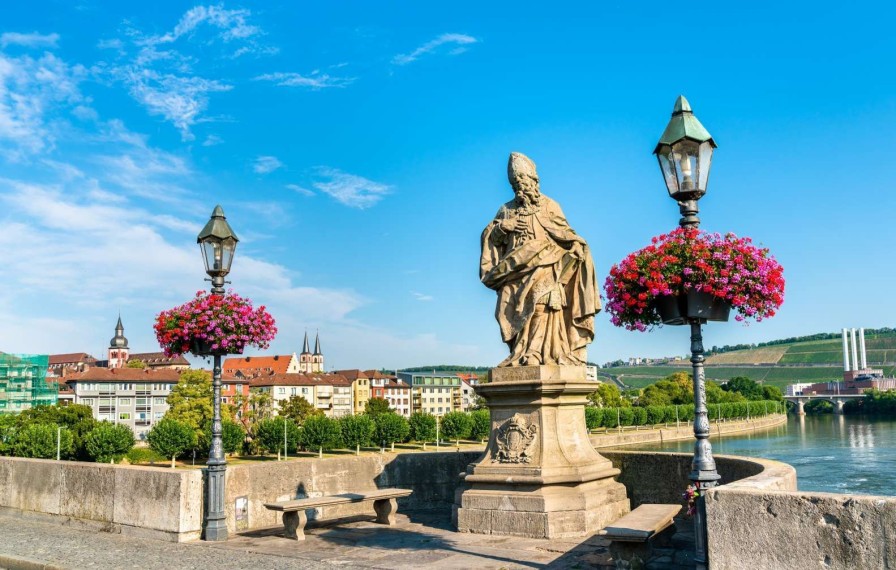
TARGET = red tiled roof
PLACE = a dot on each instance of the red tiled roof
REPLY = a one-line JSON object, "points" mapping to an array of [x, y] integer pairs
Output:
{"points": [[158, 358], [377, 375], [300, 380], [247, 364], [129, 375], [70, 358], [353, 374]]}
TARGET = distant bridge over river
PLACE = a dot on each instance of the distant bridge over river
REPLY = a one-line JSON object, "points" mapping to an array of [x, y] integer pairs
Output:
{"points": [[837, 399]]}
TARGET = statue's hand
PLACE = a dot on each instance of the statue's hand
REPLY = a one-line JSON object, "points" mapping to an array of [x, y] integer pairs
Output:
{"points": [[578, 250]]}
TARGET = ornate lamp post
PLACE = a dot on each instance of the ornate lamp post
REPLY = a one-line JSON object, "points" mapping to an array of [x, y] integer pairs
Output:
{"points": [[685, 155], [218, 243]]}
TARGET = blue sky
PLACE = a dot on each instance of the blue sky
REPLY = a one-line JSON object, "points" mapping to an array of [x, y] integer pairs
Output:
{"points": [[359, 149]]}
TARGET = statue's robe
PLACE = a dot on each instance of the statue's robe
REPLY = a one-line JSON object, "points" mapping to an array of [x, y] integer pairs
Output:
{"points": [[547, 298]]}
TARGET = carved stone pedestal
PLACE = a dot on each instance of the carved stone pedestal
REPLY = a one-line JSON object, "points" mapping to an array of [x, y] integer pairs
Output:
{"points": [[540, 477]]}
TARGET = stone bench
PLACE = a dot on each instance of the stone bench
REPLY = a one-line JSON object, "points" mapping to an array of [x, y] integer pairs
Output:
{"points": [[294, 517], [631, 536]]}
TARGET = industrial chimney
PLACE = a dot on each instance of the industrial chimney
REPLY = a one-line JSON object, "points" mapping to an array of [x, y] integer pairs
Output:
{"points": [[864, 359], [845, 352], [855, 350]]}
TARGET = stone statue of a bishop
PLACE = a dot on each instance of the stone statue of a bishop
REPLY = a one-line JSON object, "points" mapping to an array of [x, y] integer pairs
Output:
{"points": [[543, 274]]}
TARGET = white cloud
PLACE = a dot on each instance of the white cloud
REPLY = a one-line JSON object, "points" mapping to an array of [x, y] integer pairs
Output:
{"points": [[266, 164], [421, 296], [231, 23], [459, 41], [350, 189], [34, 93], [212, 140], [32, 40], [300, 190], [315, 80]]}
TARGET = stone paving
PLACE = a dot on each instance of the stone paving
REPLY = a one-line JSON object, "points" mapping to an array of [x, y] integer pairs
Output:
{"points": [[419, 539]]}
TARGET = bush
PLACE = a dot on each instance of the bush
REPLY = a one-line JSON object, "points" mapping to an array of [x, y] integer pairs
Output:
{"points": [[357, 431], [655, 414], [391, 427], [233, 437], [321, 432], [456, 426], [8, 430], [108, 442], [422, 427], [481, 424], [139, 455], [77, 418], [626, 416], [270, 436], [171, 438], [593, 417], [40, 440], [639, 416]]}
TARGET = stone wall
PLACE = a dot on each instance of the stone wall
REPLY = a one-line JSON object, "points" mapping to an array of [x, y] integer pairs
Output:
{"points": [[148, 502], [683, 432], [754, 527], [659, 477], [432, 476]]}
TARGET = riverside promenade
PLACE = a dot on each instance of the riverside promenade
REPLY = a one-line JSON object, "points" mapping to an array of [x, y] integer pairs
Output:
{"points": [[419, 539]]}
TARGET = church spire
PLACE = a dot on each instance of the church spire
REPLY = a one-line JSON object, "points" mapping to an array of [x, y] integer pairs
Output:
{"points": [[305, 349], [119, 340], [317, 344]]}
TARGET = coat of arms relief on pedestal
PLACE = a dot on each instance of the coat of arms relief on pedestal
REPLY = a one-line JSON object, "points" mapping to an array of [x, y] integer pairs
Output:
{"points": [[514, 440]]}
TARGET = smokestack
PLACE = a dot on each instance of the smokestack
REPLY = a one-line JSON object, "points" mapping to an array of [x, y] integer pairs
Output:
{"points": [[845, 352], [855, 350], [864, 359]]}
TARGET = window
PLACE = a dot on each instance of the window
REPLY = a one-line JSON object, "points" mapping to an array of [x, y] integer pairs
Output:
{"points": [[124, 401], [88, 401], [304, 390], [281, 390], [105, 401], [124, 416], [142, 401], [158, 415], [292, 391], [159, 401]]}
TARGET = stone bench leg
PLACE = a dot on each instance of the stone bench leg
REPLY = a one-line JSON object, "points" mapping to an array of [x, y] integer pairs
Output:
{"points": [[385, 511], [294, 523]]}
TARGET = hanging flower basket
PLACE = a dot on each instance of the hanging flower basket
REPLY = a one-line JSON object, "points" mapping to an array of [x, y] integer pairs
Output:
{"points": [[689, 274], [214, 324]]}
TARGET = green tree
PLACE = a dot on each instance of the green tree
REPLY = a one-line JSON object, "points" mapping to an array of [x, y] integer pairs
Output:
{"points": [[8, 427], [297, 408], [481, 424], [39, 440], [77, 418], [422, 427], [271, 437], [744, 386], [233, 436], [170, 438], [376, 406], [190, 402], [321, 432], [136, 363], [456, 426], [772, 393], [716, 395], [391, 428], [357, 431], [109, 442], [607, 396]]}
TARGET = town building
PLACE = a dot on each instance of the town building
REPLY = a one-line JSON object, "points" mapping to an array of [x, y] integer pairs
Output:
{"points": [[435, 393], [330, 393], [391, 389], [253, 366], [135, 397], [468, 393], [796, 389], [360, 380], [60, 364], [23, 382]]}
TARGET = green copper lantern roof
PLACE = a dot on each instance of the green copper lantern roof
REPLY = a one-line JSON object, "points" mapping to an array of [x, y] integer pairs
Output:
{"points": [[217, 227], [684, 125]]}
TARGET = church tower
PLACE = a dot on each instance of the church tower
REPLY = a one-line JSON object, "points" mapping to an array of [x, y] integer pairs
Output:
{"points": [[317, 359], [118, 347], [305, 358]]}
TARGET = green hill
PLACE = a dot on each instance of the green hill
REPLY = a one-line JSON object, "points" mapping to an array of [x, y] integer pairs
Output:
{"points": [[778, 363]]}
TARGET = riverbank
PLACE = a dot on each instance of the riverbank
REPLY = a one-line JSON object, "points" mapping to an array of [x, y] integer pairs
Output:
{"points": [[684, 431]]}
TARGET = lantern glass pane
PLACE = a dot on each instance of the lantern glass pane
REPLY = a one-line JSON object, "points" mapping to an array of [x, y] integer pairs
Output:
{"points": [[685, 154], [669, 168], [704, 163], [218, 255]]}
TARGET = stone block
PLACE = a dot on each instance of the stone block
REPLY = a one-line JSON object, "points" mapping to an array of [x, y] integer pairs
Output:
{"points": [[167, 500], [85, 491], [34, 485]]}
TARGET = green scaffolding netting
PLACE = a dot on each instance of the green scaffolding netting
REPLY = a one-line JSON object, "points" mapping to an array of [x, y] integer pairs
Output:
{"points": [[23, 382]]}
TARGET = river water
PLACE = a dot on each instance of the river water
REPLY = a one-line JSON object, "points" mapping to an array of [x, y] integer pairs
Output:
{"points": [[835, 454]]}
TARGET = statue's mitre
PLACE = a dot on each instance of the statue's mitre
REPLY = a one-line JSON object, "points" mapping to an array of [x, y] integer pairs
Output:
{"points": [[519, 164]]}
